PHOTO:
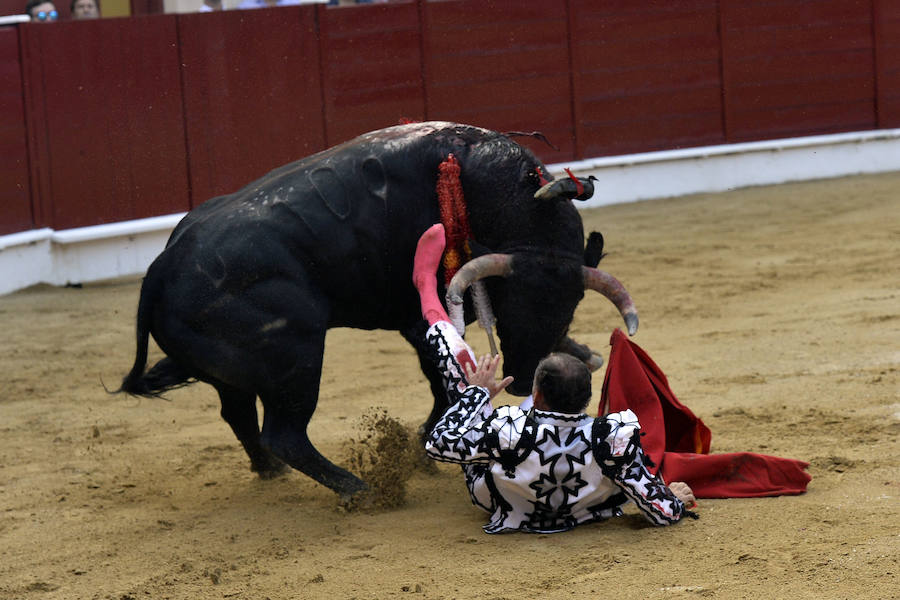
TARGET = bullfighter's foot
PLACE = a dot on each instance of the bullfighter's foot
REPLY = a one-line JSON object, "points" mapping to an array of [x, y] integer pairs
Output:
{"points": [[594, 362], [429, 251]]}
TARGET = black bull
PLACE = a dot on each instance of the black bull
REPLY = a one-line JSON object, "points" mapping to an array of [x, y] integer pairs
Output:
{"points": [[249, 283]]}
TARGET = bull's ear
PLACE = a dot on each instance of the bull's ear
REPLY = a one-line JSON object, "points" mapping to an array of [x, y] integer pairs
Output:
{"points": [[593, 250], [478, 250]]}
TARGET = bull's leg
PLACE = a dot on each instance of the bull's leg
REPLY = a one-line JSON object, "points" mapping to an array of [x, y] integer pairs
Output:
{"points": [[284, 433], [289, 403], [239, 411]]}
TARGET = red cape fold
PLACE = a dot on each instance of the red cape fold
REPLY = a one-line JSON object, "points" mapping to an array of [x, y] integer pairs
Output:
{"points": [[678, 442]]}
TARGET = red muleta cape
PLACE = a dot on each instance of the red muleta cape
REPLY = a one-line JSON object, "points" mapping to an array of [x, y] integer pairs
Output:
{"points": [[678, 442]]}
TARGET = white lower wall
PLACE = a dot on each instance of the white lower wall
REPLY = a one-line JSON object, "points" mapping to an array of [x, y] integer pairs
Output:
{"points": [[672, 173], [120, 249], [25, 259], [82, 255]]}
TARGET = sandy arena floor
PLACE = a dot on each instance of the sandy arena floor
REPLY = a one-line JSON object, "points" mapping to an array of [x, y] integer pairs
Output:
{"points": [[774, 311]]}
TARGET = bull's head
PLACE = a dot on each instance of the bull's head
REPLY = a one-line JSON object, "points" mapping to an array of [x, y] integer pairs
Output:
{"points": [[535, 288]]}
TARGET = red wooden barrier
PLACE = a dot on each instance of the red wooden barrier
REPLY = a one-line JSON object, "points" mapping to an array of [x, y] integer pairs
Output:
{"points": [[12, 7], [887, 59], [372, 68], [796, 67], [15, 193], [146, 7], [129, 118], [107, 127], [647, 75], [503, 65], [251, 94]]}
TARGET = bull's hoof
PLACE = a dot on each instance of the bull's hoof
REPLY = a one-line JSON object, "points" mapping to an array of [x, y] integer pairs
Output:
{"points": [[357, 498], [273, 473], [270, 469], [352, 488]]}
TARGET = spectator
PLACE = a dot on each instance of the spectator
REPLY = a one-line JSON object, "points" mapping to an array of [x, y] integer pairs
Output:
{"points": [[85, 9], [42, 11], [211, 6]]}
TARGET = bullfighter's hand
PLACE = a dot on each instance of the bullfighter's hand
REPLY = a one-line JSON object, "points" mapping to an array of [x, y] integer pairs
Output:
{"points": [[684, 493], [484, 375]]}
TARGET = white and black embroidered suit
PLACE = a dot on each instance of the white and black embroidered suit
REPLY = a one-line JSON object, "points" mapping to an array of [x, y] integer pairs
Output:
{"points": [[541, 471]]}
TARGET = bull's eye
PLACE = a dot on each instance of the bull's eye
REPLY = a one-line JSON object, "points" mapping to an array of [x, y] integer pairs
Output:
{"points": [[536, 176]]}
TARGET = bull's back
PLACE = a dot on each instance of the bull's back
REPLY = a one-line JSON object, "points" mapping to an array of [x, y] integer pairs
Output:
{"points": [[344, 221]]}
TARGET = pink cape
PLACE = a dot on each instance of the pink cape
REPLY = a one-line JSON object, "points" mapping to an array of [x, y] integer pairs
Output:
{"points": [[678, 442]]}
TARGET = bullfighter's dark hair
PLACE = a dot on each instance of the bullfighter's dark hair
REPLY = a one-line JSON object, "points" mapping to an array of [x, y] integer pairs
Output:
{"points": [[565, 383]]}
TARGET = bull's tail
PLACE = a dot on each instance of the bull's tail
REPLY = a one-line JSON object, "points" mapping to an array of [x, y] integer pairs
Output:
{"points": [[164, 375]]}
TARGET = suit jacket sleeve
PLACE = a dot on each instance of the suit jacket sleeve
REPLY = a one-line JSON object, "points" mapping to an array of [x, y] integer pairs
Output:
{"points": [[618, 440], [460, 435]]}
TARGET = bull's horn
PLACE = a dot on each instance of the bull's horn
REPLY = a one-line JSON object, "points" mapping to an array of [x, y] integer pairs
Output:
{"points": [[570, 188], [609, 286], [489, 265]]}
